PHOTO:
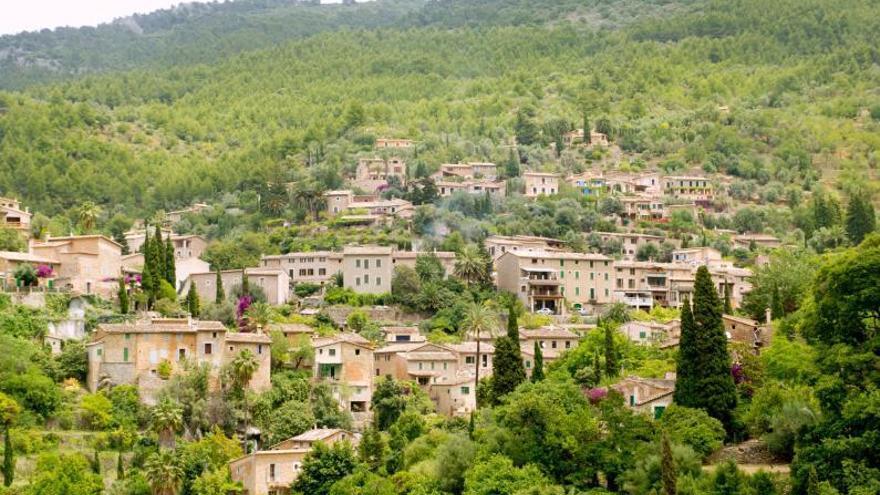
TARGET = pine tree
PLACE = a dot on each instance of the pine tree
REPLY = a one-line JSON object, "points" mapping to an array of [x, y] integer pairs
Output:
{"points": [[587, 129], [667, 467], [372, 448], [512, 323], [611, 367], [538, 370], [8, 458], [96, 463], [170, 269], [123, 296], [221, 294], [860, 219], [705, 381], [120, 468], [193, 305], [728, 307]]}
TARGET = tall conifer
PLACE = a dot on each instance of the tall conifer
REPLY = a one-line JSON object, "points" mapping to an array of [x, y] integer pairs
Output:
{"points": [[507, 365], [705, 380], [221, 294], [538, 370], [170, 269]]}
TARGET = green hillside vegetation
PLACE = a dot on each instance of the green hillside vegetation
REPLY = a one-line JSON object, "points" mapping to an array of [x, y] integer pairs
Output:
{"points": [[799, 103]]}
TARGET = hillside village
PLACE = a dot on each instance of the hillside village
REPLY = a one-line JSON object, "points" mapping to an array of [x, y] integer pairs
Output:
{"points": [[449, 247]]}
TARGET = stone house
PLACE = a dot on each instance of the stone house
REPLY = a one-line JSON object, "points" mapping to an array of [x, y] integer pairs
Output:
{"points": [[651, 332], [694, 188], [648, 395], [88, 264], [273, 470], [497, 245], [274, 282], [12, 216], [11, 260], [135, 353], [547, 279], [540, 183], [346, 362], [391, 143], [316, 267]]}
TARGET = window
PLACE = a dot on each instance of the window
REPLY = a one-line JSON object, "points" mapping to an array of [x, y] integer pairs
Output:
{"points": [[127, 336], [231, 348], [528, 364], [357, 281], [632, 400], [125, 354], [357, 263], [209, 348], [259, 348], [642, 335], [465, 390], [378, 280], [331, 352], [553, 344], [271, 472], [181, 354], [366, 279], [420, 365], [568, 344], [98, 352], [577, 291], [577, 275], [214, 335], [357, 352], [378, 263], [561, 274], [485, 360], [366, 264], [467, 359]]}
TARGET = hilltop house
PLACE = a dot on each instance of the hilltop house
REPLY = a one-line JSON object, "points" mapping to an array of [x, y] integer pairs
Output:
{"points": [[391, 143], [648, 395], [13, 217], [136, 353], [540, 183]]}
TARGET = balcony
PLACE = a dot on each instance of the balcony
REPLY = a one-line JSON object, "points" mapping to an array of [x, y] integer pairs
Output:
{"points": [[634, 300]]}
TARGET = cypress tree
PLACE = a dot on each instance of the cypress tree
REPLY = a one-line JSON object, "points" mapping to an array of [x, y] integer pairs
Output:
{"points": [[147, 284], [170, 269], [193, 305], [611, 367], [123, 296], [8, 458], [728, 307], [159, 270], [586, 129], [245, 283], [507, 365], [685, 373], [860, 219], [538, 370], [597, 369], [96, 463], [667, 467], [221, 294], [120, 468], [708, 383]]}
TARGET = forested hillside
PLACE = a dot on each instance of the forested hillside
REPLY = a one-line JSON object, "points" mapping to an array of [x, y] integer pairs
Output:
{"points": [[797, 81], [186, 34]]}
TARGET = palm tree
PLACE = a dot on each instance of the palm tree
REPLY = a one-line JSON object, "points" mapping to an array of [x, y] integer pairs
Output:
{"points": [[167, 420], [309, 197], [88, 214], [163, 472], [470, 265], [479, 318], [243, 368]]}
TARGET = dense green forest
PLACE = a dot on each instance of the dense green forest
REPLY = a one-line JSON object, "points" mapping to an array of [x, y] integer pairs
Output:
{"points": [[799, 83]]}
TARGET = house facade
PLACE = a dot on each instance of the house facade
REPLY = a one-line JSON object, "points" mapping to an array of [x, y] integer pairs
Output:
{"points": [[547, 279], [88, 264], [274, 282], [345, 361], [136, 353], [540, 183]]}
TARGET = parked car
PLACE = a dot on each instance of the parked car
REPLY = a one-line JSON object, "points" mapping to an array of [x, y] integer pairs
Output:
{"points": [[544, 311]]}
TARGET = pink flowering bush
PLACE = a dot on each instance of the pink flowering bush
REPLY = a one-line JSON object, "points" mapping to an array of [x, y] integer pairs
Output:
{"points": [[44, 271], [597, 394]]}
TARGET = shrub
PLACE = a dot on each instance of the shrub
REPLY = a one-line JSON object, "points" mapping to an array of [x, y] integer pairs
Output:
{"points": [[694, 428]]}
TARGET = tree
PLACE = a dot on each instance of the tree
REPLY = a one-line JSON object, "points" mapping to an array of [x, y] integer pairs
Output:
{"points": [[372, 449], [524, 126], [96, 462], [87, 215], [167, 419], [667, 467], [694, 428], [324, 466], [25, 275], [470, 266], [388, 402], [164, 472], [11, 240], [120, 467], [860, 218], [64, 475], [728, 307], [242, 369], [9, 411], [192, 301], [538, 370], [122, 295], [221, 295], [611, 366], [289, 420], [170, 270], [245, 283], [703, 375], [507, 364], [478, 319]]}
